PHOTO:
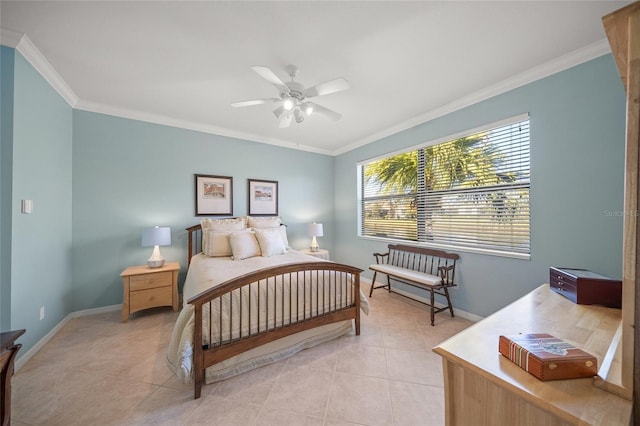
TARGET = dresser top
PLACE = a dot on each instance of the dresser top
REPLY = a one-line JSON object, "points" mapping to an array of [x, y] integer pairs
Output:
{"points": [[8, 337], [590, 328]]}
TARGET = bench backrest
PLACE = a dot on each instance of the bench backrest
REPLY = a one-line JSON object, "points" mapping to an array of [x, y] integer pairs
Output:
{"points": [[422, 259]]}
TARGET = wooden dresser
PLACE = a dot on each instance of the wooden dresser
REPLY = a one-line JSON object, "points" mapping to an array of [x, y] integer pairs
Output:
{"points": [[484, 388]]}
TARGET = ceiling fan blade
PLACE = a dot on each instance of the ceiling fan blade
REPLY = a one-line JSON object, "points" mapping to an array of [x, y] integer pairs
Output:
{"points": [[332, 86], [253, 102], [285, 120], [325, 111], [268, 75]]}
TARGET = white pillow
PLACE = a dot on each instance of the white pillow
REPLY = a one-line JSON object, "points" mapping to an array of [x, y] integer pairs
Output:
{"points": [[263, 222], [216, 243], [220, 225], [244, 245], [270, 241], [283, 234], [228, 224]]}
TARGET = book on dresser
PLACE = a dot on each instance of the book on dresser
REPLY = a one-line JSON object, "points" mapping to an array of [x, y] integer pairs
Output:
{"points": [[547, 357]]}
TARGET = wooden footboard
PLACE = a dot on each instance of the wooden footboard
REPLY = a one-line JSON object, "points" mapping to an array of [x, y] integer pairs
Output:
{"points": [[269, 304]]}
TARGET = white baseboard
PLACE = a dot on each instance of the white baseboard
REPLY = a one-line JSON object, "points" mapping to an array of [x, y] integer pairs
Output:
{"points": [[22, 360], [457, 312]]}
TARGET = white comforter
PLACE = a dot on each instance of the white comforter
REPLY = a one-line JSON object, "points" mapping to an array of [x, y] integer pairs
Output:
{"points": [[205, 273]]}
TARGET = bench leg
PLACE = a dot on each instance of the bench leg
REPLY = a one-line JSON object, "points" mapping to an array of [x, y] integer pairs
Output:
{"points": [[433, 314], [446, 294], [373, 283]]}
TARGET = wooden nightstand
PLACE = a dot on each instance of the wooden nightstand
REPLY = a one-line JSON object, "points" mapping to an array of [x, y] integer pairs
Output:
{"points": [[144, 288], [321, 253]]}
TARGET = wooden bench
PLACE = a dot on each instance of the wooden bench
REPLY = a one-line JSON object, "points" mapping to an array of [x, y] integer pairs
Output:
{"points": [[432, 270]]}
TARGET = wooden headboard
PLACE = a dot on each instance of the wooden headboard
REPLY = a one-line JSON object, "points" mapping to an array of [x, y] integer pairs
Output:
{"points": [[195, 241]]}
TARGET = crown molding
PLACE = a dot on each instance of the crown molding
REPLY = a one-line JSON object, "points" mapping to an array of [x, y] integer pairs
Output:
{"points": [[9, 38], [23, 44], [539, 72], [190, 125]]}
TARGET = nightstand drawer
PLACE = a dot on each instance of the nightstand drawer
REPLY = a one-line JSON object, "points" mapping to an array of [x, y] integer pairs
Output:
{"points": [[147, 281], [144, 288], [144, 299]]}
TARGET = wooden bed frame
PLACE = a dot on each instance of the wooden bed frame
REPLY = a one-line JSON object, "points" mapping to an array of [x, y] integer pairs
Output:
{"points": [[227, 347]]}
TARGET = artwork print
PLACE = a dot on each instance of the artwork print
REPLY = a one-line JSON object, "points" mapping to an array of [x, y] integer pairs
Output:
{"points": [[214, 195], [263, 197]]}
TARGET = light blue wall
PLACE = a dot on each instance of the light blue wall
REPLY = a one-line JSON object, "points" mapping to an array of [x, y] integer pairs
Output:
{"points": [[7, 56], [128, 175], [41, 171], [577, 162]]}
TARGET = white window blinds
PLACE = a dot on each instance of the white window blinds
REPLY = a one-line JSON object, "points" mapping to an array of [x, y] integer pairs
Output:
{"points": [[470, 192]]}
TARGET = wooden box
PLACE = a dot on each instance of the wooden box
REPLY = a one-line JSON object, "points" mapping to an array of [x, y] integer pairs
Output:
{"points": [[584, 287], [547, 357]]}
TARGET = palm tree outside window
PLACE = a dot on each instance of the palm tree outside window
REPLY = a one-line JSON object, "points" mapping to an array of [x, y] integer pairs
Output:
{"points": [[469, 192]]}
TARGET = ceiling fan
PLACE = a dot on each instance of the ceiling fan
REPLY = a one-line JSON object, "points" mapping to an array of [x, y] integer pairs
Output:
{"points": [[294, 96]]}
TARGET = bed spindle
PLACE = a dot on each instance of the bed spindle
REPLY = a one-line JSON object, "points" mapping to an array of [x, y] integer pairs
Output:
{"points": [[335, 298]]}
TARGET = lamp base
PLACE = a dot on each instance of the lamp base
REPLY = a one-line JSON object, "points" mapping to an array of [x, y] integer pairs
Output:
{"points": [[155, 263], [156, 260]]}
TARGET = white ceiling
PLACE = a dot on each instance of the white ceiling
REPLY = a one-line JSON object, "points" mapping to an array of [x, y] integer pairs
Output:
{"points": [[182, 63]]}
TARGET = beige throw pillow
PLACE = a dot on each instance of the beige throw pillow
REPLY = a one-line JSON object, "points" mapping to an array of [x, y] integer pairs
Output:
{"points": [[244, 245], [270, 241]]}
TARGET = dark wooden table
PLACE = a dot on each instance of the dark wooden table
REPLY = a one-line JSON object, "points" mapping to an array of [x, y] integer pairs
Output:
{"points": [[8, 351]]}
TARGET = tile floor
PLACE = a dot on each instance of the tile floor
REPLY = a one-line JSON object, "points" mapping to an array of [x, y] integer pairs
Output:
{"points": [[100, 371]]}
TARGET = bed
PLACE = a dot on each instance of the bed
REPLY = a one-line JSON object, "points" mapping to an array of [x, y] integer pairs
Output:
{"points": [[248, 310]]}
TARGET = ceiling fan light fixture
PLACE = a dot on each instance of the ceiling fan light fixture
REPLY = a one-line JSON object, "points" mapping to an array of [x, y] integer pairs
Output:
{"points": [[279, 111], [293, 96], [307, 107], [288, 103], [285, 119]]}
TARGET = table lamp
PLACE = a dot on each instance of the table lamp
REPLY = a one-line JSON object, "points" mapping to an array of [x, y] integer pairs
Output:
{"points": [[315, 230], [156, 237]]}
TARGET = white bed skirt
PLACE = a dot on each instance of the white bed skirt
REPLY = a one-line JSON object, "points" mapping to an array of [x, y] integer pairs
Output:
{"points": [[180, 351]]}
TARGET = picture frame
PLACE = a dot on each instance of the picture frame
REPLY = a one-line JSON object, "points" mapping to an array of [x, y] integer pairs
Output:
{"points": [[263, 197], [214, 195]]}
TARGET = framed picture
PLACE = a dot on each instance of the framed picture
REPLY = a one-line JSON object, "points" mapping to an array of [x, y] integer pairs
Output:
{"points": [[214, 195], [263, 197]]}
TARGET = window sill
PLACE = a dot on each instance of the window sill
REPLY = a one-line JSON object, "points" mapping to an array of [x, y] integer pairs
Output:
{"points": [[486, 252]]}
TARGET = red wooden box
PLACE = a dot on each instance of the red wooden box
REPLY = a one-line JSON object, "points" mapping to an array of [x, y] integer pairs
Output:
{"points": [[547, 357], [584, 287]]}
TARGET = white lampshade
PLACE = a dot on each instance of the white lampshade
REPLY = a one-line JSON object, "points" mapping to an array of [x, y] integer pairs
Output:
{"points": [[307, 107], [298, 115], [156, 237], [288, 103], [315, 230]]}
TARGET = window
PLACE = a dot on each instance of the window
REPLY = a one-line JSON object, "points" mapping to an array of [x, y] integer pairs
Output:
{"points": [[470, 191]]}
